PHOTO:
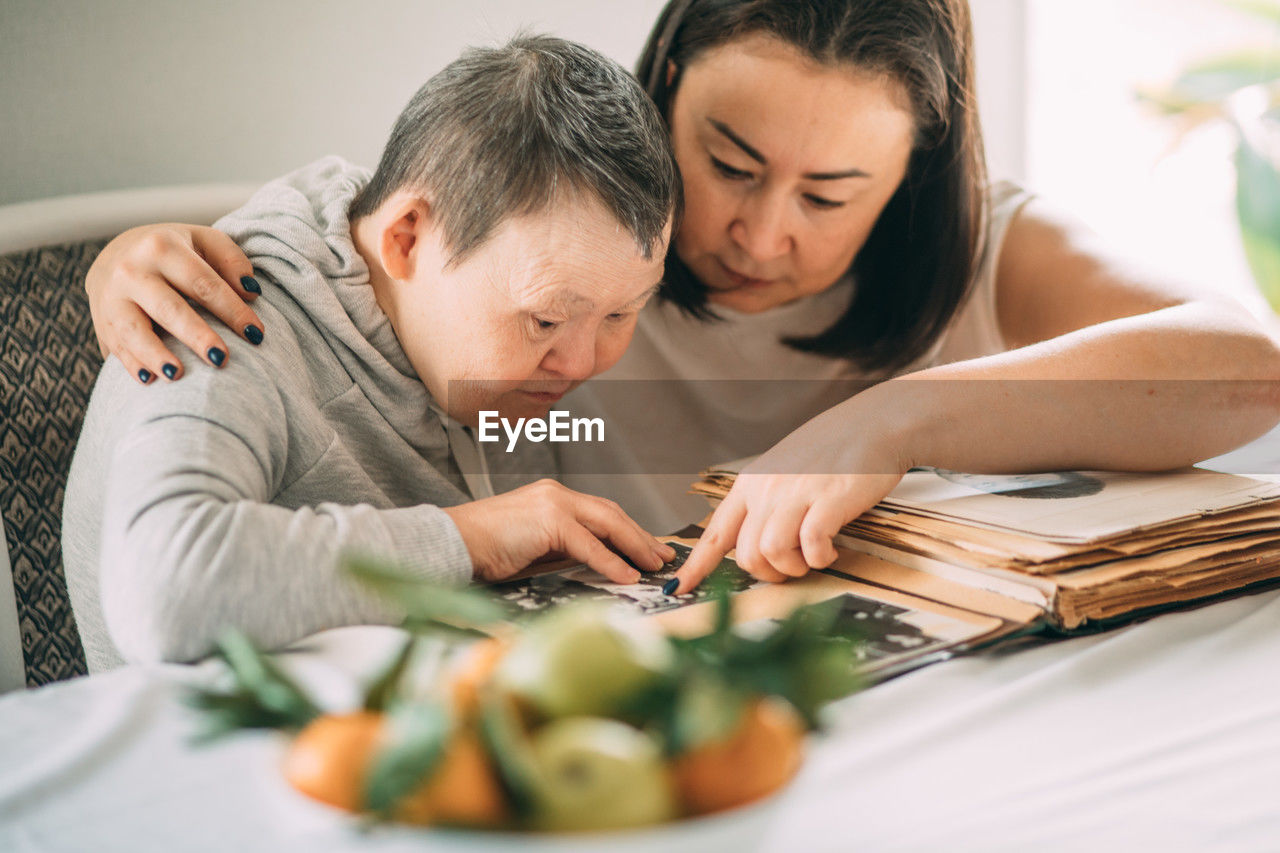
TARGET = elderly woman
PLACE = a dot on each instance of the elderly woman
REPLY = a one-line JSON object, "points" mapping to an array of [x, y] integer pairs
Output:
{"points": [[229, 499]]}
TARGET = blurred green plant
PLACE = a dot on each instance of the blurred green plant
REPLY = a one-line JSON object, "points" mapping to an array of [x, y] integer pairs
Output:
{"points": [[261, 695], [1241, 88]]}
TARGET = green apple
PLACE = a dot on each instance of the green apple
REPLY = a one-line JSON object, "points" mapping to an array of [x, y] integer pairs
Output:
{"points": [[582, 661], [597, 774]]}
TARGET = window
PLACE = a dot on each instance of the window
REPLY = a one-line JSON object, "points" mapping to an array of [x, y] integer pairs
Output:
{"points": [[1087, 143]]}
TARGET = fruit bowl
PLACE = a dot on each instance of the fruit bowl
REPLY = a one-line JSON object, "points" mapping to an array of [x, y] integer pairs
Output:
{"points": [[316, 826], [577, 729], [741, 830]]}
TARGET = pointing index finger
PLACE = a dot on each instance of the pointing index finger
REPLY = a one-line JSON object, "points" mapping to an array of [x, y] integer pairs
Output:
{"points": [[715, 542]]}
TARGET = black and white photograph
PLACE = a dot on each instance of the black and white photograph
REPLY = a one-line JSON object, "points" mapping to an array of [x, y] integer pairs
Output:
{"points": [[645, 596]]}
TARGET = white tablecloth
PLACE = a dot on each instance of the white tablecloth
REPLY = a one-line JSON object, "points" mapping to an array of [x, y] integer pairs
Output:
{"points": [[1163, 735]]}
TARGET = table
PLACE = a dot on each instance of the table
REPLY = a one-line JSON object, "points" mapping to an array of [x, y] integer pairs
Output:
{"points": [[1162, 735]]}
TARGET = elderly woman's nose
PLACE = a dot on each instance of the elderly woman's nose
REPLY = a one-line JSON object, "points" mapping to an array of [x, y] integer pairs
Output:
{"points": [[572, 358]]}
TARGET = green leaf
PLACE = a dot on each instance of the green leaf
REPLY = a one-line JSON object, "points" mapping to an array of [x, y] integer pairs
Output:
{"points": [[1263, 253], [416, 736], [1258, 207], [825, 672], [1268, 10], [1213, 80], [259, 674], [723, 624], [262, 695], [224, 713], [815, 620], [1171, 103], [706, 709], [821, 656], [444, 630], [808, 659], [426, 602], [507, 744], [384, 689]]}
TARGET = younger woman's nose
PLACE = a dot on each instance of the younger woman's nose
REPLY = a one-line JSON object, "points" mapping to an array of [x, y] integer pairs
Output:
{"points": [[761, 229]]}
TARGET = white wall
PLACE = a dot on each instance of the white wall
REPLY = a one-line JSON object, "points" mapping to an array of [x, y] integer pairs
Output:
{"points": [[106, 94], [999, 35]]}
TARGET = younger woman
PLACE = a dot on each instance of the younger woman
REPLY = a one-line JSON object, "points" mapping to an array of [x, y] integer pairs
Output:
{"points": [[839, 228]]}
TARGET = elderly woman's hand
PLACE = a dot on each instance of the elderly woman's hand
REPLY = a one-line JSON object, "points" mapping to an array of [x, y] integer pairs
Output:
{"points": [[787, 506], [506, 533], [141, 278]]}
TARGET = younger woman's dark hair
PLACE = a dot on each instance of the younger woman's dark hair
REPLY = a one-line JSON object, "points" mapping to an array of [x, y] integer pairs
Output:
{"points": [[915, 269]]}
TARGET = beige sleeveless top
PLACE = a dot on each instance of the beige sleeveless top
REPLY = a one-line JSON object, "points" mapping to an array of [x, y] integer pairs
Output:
{"points": [[689, 393]]}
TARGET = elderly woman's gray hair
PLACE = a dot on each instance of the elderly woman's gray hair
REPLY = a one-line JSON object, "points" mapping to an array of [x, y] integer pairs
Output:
{"points": [[508, 131]]}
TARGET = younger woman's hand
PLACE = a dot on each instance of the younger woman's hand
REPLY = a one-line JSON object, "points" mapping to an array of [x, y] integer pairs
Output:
{"points": [[142, 276], [787, 506]]}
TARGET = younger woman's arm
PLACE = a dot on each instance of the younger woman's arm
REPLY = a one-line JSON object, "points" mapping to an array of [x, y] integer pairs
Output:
{"points": [[1113, 369]]}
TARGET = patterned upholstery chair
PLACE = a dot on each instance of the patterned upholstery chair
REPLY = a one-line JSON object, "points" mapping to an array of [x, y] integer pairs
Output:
{"points": [[48, 363]]}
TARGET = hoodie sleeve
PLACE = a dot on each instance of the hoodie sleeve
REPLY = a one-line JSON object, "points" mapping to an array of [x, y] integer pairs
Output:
{"points": [[192, 545]]}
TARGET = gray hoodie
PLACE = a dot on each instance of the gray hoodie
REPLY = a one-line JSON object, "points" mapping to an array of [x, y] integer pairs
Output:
{"points": [[227, 498]]}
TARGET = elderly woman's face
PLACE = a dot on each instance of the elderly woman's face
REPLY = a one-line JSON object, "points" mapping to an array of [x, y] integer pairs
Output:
{"points": [[787, 164]]}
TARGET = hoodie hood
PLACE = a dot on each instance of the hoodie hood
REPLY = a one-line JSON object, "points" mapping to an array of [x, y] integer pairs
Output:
{"points": [[297, 234]]}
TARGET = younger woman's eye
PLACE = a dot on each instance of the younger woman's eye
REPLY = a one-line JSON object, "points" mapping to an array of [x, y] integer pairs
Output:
{"points": [[729, 171], [823, 203]]}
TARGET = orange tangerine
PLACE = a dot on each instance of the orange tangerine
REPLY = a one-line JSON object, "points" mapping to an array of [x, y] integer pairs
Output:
{"points": [[463, 790], [473, 671], [330, 759], [756, 759]]}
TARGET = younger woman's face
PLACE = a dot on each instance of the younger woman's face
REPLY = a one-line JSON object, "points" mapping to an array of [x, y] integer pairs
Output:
{"points": [[786, 163]]}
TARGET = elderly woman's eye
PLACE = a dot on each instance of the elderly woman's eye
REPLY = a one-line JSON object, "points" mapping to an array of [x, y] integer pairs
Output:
{"points": [[544, 324]]}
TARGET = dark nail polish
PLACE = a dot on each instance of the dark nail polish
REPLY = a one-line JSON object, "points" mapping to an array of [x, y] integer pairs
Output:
{"points": [[670, 587], [144, 376], [253, 334], [217, 356], [250, 284], [169, 371]]}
